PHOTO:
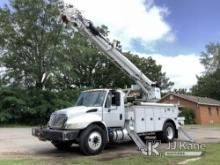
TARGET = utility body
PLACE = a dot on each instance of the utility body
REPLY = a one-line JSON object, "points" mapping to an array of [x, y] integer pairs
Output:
{"points": [[102, 116]]}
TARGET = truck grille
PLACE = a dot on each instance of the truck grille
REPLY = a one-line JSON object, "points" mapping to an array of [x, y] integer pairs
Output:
{"points": [[57, 120]]}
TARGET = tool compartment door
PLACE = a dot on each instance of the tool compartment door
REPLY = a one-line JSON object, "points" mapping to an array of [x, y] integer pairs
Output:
{"points": [[158, 118], [139, 119], [149, 119]]}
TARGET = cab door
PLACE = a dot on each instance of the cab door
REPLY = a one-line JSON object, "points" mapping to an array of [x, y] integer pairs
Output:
{"points": [[113, 110]]}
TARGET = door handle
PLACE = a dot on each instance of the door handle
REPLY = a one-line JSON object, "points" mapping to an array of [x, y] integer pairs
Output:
{"points": [[120, 116], [151, 118]]}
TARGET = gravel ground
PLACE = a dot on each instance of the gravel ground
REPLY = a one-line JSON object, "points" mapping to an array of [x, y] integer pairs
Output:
{"points": [[18, 142]]}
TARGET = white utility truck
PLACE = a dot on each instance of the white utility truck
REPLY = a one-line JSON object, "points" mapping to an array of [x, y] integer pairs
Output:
{"points": [[102, 116]]}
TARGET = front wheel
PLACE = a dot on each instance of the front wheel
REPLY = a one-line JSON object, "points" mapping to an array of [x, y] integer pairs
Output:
{"points": [[93, 140]]}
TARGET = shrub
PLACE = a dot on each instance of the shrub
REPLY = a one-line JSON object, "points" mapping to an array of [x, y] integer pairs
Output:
{"points": [[12, 105], [188, 114]]}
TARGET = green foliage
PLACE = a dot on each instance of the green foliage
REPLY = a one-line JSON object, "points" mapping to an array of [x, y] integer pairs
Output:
{"points": [[31, 37], [12, 105], [153, 71], [208, 84], [211, 57], [32, 106], [84, 65], [189, 115], [181, 91]]}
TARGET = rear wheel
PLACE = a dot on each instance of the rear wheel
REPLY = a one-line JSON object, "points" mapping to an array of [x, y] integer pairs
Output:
{"points": [[62, 145], [168, 133], [93, 140]]}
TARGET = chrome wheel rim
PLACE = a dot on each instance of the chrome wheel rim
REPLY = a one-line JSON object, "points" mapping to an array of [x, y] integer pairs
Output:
{"points": [[95, 140], [170, 133]]}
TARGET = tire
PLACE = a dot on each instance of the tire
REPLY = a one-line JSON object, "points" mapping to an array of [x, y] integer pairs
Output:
{"points": [[168, 133], [62, 145], [93, 140]]}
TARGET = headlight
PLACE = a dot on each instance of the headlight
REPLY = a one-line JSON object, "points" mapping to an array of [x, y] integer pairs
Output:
{"points": [[72, 126]]}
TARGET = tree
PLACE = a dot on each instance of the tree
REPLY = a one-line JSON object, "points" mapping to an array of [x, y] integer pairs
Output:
{"points": [[208, 85], [211, 57], [31, 37], [83, 65], [79, 64], [103, 30], [153, 71]]}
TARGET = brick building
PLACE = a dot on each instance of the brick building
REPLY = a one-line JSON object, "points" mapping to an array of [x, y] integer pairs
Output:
{"points": [[207, 110]]}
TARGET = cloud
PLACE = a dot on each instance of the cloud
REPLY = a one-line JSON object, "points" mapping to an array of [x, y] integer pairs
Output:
{"points": [[128, 19], [181, 69]]}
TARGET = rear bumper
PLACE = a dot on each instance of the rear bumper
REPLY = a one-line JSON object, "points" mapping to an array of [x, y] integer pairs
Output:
{"points": [[51, 134]]}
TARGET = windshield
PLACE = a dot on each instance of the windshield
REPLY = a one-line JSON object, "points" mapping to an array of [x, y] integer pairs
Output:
{"points": [[91, 99]]}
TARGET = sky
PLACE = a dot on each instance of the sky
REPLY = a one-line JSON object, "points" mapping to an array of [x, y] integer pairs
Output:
{"points": [[173, 32]]}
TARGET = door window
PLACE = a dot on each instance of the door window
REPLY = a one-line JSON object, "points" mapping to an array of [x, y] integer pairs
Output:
{"points": [[108, 102], [113, 99]]}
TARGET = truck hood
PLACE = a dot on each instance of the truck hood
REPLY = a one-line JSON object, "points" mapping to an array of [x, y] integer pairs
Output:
{"points": [[77, 110]]}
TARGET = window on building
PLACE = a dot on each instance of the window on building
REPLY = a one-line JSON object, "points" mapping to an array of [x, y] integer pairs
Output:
{"points": [[217, 110], [210, 112]]}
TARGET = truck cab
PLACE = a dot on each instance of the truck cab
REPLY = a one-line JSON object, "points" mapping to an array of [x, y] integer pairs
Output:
{"points": [[102, 105], [103, 108]]}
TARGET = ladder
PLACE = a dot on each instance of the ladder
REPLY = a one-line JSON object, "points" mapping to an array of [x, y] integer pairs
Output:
{"points": [[134, 136], [186, 135]]}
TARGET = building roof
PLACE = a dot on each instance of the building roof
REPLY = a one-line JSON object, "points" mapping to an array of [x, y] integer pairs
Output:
{"points": [[197, 99]]}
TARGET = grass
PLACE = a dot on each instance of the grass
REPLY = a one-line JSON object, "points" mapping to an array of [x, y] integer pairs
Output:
{"points": [[130, 160], [211, 157], [20, 162], [217, 125]]}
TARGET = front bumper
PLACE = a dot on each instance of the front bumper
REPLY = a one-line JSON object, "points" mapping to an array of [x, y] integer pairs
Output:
{"points": [[52, 134]]}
